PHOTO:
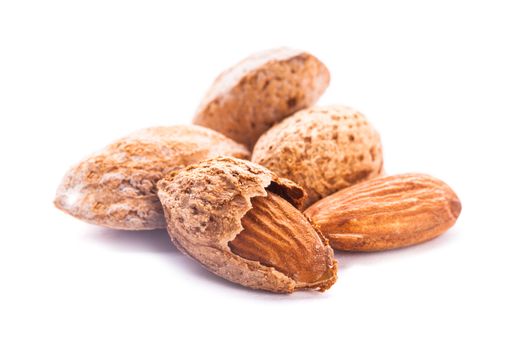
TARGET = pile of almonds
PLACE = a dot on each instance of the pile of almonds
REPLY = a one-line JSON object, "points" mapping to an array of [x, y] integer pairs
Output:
{"points": [[263, 185]]}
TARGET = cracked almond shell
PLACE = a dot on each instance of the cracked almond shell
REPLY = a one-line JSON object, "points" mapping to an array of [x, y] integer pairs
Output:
{"points": [[205, 205], [323, 149], [248, 98], [116, 187]]}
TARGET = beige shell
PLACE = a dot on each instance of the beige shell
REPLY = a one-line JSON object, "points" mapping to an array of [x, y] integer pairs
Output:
{"points": [[116, 187], [247, 99], [323, 149], [204, 205]]}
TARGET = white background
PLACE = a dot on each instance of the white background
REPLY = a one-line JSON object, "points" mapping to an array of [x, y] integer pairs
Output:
{"points": [[444, 83]]}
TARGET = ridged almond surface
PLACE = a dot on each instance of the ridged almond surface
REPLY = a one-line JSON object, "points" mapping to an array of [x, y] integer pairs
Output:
{"points": [[386, 213], [277, 234], [248, 98], [207, 206]]}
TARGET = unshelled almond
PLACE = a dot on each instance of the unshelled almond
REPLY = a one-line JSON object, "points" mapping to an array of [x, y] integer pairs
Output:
{"points": [[261, 90], [386, 213], [322, 149], [116, 187], [241, 222]]}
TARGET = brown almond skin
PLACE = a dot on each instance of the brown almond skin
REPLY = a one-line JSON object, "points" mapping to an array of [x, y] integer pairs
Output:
{"points": [[116, 187], [205, 205], [248, 98], [386, 213], [277, 234], [323, 149]]}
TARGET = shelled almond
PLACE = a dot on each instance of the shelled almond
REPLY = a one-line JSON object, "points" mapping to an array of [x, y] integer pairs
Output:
{"points": [[386, 213]]}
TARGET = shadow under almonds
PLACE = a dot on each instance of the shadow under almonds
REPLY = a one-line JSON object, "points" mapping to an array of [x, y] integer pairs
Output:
{"points": [[349, 259], [158, 242], [152, 241]]}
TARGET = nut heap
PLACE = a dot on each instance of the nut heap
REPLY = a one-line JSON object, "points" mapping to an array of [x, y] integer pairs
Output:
{"points": [[243, 220]]}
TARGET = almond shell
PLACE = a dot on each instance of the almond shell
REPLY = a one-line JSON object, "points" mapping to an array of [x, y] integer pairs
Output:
{"points": [[116, 187], [204, 205]]}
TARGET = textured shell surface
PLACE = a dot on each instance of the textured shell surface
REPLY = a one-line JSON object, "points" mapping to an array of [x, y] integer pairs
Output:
{"points": [[116, 187], [248, 98], [323, 149], [204, 206]]}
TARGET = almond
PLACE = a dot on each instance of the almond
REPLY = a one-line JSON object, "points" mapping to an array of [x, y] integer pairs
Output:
{"points": [[277, 234], [323, 149], [266, 87], [240, 221], [386, 213], [116, 187]]}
